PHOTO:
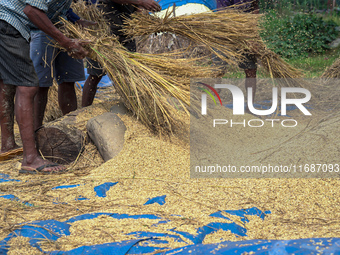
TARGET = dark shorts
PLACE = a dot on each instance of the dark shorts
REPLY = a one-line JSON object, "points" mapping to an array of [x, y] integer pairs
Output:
{"points": [[94, 68], [115, 15], [16, 66], [52, 63], [249, 61]]}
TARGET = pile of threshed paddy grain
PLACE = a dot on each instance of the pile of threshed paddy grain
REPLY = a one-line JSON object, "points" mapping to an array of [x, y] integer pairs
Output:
{"points": [[150, 166]]}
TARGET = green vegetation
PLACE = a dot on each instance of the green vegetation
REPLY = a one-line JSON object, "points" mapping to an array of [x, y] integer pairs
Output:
{"points": [[312, 66], [296, 5], [315, 65], [293, 29], [297, 36]]}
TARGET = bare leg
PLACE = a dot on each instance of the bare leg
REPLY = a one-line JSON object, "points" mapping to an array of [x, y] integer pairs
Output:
{"points": [[90, 89], [67, 97], [40, 102], [7, 93], [24, 114], [251, 80]]}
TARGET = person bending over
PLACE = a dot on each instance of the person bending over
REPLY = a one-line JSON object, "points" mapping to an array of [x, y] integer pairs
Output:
{"points": [[115, 12]]}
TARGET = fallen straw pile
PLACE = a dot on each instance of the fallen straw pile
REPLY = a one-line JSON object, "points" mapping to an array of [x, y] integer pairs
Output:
{"points": [[226, 33], [332, 72], [145, 82]]}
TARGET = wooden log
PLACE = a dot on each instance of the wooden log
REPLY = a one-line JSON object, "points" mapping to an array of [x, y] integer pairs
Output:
{"points": [[62, 140]]}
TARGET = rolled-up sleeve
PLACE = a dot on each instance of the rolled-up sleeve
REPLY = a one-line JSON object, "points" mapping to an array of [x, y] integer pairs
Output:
{"points": [[39, 4]]}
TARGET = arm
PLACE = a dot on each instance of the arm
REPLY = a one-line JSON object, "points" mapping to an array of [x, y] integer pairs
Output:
{"points": [[41, 21], [149, 5]]}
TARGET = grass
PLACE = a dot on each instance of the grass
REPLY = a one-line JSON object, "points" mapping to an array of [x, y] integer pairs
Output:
{"points": [[334, 17], [314, 65]]}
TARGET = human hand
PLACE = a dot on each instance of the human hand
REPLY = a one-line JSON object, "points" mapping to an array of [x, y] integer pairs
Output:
{"points": [[85, 23], [150, 5], [75, 48]]}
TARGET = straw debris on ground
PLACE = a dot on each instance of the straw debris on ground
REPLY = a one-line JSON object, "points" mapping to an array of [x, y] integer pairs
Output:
{"points": [[151, 165]]}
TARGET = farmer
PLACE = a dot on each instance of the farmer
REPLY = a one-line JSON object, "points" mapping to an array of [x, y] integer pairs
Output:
{"points": [[50, 62], [249, 64], [17, 75], [116, 11]]}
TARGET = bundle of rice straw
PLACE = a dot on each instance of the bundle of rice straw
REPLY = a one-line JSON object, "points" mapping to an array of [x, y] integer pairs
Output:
{"points": [[332, 72], [276, 67], [226, 33], [145, 82], [91, 12]]}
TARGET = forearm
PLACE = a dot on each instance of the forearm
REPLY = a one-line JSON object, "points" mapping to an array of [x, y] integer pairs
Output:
{"points": [[41, 21]]}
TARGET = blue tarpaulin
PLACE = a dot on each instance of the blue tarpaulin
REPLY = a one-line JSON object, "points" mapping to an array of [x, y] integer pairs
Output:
{"points": [[6, 178], [103, 188], [147, 242], [14, 198], [159, 200], [66, 186], [326, 246]]}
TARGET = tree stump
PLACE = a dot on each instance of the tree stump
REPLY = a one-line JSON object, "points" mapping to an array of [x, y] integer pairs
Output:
{"points": [[62, 140]]}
